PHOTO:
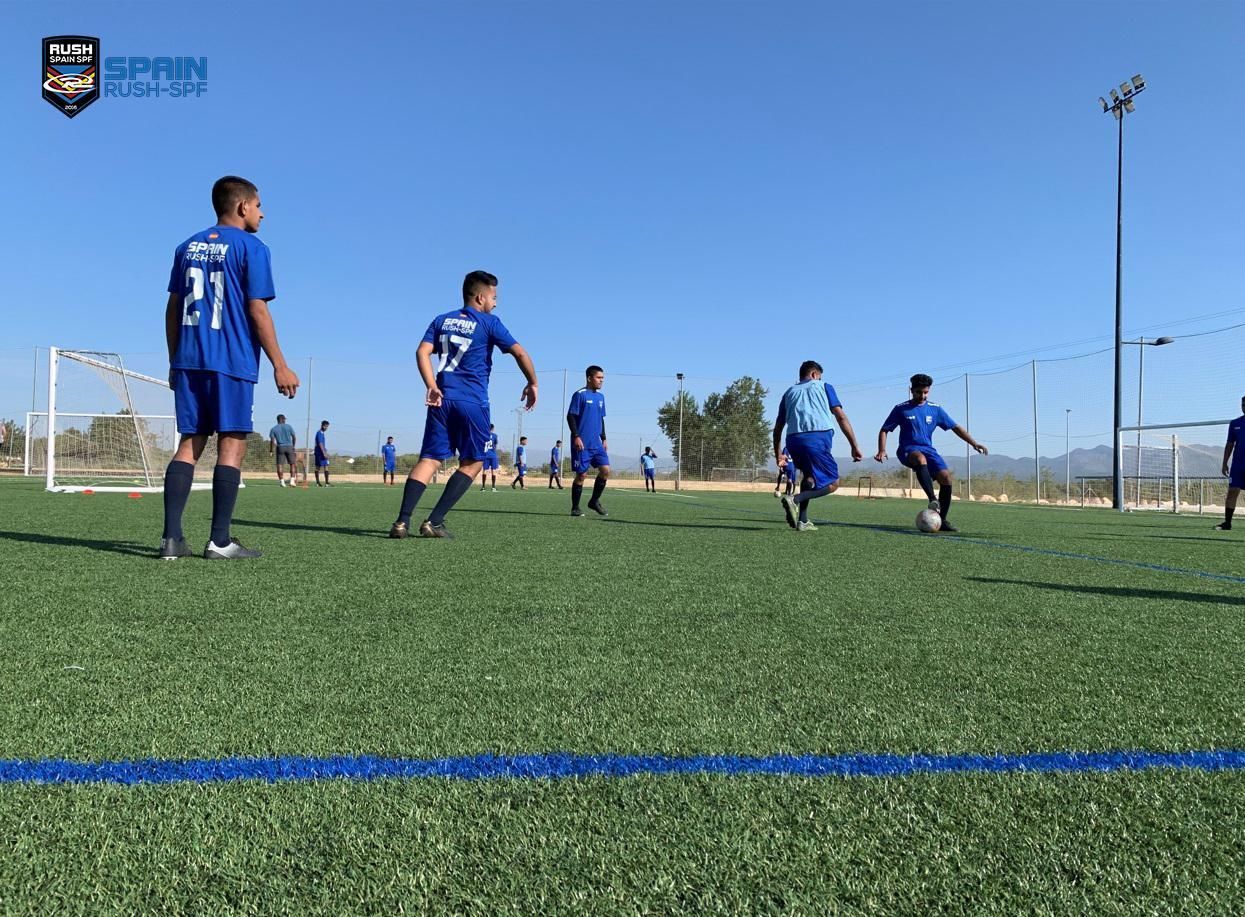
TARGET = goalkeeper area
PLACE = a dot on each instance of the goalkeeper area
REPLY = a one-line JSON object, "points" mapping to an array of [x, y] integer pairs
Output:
{"points": [[719, 715]]}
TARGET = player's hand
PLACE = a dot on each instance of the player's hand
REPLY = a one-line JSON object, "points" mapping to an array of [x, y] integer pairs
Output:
{"points": [[981, 450], [780, 459], [881, 456], [1225, 469], [857, 455], [529, 396], [579, 443], [433, 398], [287, 381]]}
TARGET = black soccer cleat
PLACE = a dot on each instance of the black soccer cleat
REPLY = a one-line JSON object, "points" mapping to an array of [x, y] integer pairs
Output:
{"points": [[399, 530], [947, 527], [597, 508], [1224, 527], [577, 512], [428, 530], [173, 548]]}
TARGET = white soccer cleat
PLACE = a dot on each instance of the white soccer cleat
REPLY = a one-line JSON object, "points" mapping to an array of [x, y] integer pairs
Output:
{"points": [[232, 551], [805, 527]]}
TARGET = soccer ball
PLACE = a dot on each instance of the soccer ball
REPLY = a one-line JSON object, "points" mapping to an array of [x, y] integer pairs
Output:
{"points": [[928, 521], [349, 461]]}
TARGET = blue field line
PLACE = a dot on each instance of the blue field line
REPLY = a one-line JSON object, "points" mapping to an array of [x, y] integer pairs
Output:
{"points": [[560, 766]]}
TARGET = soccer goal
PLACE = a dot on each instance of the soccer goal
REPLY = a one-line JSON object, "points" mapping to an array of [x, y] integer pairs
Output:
{"points": [[107, 428], [1173, 467]]}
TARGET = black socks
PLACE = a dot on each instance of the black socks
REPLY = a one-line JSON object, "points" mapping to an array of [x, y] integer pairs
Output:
{"points": [[455, 487], [410, 499], [926, 480], [177, 480], [225, 481], [944, 500]]}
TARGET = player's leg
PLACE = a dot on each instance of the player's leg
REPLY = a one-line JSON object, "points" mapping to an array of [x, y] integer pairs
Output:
{"points": [[1229, 507], [434, 450], [919, 463], [194, 414], [821, 477], [467, 425], [234, 400], [945, 482], [601, 461]]}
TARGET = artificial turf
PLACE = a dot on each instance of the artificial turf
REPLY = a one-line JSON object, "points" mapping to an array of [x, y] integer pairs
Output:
{"points": [[677, 625]]}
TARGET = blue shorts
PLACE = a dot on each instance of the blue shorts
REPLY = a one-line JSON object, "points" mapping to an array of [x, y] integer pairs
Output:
{"points": [[456, 426], [811, 454], [521, 469], [650, 473], [208, 402], [1236, 475], [932, 458], [390, 469], [490, 461], [588, 457]]}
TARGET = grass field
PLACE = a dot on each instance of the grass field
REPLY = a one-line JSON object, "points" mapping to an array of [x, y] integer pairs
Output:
{"points": [[678, 626]]}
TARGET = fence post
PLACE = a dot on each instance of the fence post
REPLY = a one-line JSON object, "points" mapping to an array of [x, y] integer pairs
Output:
{"points": [[1037, 461]]}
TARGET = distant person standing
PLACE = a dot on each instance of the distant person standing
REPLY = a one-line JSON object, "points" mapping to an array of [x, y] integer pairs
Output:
{"points": [[490, 459], [1233, 467], [389, 452], [281, 440], [216, 322], [555, 465], [648, 464], [520, 464], [589, 447], [322, 454]]}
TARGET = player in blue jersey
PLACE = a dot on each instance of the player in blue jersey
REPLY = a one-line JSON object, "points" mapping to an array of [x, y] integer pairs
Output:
{"points": [[555, 465], [786, 476], [490, 459], [648, 465], [282, 439], [1233, 467], [917, 418], [322, 454], [806, 412], [216, 322], [589, 448], [389, 452], [457, 398], [520, 464]]}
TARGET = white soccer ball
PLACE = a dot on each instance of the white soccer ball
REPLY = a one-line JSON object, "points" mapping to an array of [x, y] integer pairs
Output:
{"points": [[349, 461], [927, 520]]}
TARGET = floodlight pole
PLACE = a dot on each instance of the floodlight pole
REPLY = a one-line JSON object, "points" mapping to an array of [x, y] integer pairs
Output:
{"points": [[1067, 453], [1119, 106], [1141, 343], [678, 465]]}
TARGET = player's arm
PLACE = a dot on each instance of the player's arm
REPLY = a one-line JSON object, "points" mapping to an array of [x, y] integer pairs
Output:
{"points": [[604, 445], [423, 360], [266, 331], [1227, 453], [172, 328], [572, 424], [890, 423], [779, 423], [846, 426], [528, 397], [272, 443], [964, 435]]}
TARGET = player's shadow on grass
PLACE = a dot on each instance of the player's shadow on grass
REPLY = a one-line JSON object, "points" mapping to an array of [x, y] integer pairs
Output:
{"points": [[502, 512], [94, 544], [303, 527], [685, 525], [1122, 592], [1200, 538]]}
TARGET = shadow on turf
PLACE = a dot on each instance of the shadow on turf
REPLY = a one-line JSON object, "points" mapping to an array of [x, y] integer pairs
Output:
{"points": [[1217, 539], [112, 547], [685, 525], [303, 527], [1123, 592]]}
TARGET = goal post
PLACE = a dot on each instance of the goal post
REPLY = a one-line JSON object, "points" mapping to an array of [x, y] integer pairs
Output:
{"points": [[107, 428], [1172, 467]]}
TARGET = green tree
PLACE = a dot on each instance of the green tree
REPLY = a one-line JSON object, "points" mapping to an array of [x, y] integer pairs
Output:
{"points": [[730, 428]]}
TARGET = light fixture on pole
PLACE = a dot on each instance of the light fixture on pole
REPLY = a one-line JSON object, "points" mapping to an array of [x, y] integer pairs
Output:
{"points": [[1119, 106], [1141, 343]]}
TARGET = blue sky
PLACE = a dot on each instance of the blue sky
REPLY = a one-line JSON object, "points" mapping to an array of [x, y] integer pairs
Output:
{"points": [[712, 188]]}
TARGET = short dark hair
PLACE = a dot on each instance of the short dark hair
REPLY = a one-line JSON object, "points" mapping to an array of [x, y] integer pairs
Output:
{"points": [[475, 280], [323, 422], [810, 366], [280, 417], [593, 370], [920, 380], [558, 443], [390, 437], [522, 439], [230, 191]]}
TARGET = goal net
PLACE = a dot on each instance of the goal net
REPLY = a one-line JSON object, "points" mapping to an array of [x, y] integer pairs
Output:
{"points": [[1174, 468], [107, 428]]}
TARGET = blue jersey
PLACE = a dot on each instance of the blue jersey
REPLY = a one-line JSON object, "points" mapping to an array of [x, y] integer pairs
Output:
{"points": [[588, 409], [1236, 436], [916, 423], [216, 272], [555, 457], [806, 408], [648, 462], [321, 448], [520, 455], [283, 433], [490, 445], [463, 342], [390, 452]]}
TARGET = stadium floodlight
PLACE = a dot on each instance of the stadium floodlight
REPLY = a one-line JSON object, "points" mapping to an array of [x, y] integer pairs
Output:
{"points": [[1103, 103], [1118, 108]]}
